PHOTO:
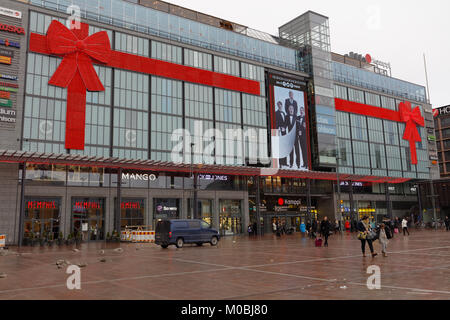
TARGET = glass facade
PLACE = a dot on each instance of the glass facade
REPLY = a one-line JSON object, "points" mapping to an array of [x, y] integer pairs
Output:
{"points": [[146, 20], [373, 81], [376, 146]]}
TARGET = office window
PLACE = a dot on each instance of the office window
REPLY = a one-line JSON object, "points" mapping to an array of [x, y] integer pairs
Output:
{"points": [[340, 92], [228, 66], [373, 99], [355, 95], [131, 44], [131, 112], [166, 52], [197, 59], [166, 116]]}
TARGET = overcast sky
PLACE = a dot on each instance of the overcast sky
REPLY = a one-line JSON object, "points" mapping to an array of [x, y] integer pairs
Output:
{"points": [[395, 31]]}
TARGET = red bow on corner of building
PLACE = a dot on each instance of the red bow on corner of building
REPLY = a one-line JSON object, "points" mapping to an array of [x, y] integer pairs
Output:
{"points": [[412, 118], [76, 72]]}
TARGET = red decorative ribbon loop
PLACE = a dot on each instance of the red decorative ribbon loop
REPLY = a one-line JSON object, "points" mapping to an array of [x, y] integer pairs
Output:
{"points": [[412, 118], [76, 73], [78, 55]]}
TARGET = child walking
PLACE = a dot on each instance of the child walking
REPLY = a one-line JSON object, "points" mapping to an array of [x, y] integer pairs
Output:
{"points": [[383, 240]]}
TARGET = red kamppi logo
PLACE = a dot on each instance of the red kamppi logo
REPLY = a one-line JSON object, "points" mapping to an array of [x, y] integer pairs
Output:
{"points": [[12, 29], [436, 112]]}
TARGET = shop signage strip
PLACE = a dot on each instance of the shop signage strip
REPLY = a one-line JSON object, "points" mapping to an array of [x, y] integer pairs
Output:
{"points": [[10, 13], [8, 77], [406, 114], [5, 103], [80, 51], [8, 89], [5, 60]]}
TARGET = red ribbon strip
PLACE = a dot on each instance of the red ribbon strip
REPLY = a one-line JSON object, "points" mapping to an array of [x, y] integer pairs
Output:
{"points": [[412, 118], [76, 72]]}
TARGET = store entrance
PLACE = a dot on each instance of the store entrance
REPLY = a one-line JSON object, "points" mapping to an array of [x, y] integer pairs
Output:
{"points": [[230, 217], [88, 218], [42, 218]]}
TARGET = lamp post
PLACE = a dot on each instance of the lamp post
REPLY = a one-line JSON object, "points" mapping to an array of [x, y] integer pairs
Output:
{"points": [[194, 176], [338, 157], [433, 200]]}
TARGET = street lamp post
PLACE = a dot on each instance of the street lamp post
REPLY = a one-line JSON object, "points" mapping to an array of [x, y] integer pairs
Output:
{"points": [[338, 157], [433, 200], [194, 176]]}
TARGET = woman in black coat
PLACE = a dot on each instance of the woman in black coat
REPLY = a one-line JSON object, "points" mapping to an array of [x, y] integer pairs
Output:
{"points": [[363, 228], [325, 228]]}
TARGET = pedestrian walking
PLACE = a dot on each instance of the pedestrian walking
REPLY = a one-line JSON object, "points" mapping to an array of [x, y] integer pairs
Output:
{"points": [[447, 223], [364, 236], [250, 230], [405, 226], [274, 227], [255, 229], [308, 227], [314, 229], [278, 229], [347, 226], [397, 225], [383, 237], [325, 228]]}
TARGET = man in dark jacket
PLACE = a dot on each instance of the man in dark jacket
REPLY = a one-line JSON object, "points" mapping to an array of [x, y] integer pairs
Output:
{"points": [[325, 228], [314, 229], [447, 223]]}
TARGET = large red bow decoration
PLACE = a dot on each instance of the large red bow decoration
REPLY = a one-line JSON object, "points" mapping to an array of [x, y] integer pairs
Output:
{"points": [[412, 118], [76, 73], [406, 114]]}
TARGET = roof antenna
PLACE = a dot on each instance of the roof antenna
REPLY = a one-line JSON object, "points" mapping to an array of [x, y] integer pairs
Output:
{"points": [[426, 77]]}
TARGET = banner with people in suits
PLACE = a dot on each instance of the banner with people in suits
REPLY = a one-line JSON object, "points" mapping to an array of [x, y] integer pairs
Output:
{"points": [[290, 124]]}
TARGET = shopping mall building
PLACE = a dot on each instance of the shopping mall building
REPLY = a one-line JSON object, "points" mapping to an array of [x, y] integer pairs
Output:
{"points": [[145, 108]]}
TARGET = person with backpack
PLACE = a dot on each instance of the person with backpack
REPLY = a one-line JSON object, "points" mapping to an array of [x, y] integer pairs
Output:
{"points": [[447, 223]]}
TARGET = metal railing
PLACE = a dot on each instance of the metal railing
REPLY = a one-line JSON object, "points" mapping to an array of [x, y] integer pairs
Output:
{"points": [[166, 35]]}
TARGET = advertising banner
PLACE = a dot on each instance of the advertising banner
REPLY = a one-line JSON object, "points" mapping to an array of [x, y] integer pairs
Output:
{"points": [[290, 125], [10, 13]]}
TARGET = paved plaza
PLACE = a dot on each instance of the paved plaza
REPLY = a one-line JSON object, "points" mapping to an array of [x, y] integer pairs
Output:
{"points": [[240, 268]]}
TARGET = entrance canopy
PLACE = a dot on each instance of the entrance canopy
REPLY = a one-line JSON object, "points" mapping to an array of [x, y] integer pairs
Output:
{"points": [[8, 156]]}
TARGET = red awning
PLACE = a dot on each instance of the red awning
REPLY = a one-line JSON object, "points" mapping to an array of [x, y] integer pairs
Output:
{"points": [[7, 156]]}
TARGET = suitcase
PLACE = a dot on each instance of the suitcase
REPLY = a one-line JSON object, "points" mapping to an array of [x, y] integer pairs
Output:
{"points": [[319, 243]]}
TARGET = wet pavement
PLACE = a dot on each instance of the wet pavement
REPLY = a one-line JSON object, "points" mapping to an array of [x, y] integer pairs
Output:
{"points": [[240, 268]]}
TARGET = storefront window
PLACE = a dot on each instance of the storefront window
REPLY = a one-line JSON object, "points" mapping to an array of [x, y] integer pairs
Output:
{"points": [[204, 210], [166, 209], [86, 177], [42, 218], [230, 217], [132, 213], [44, 174], [88, 216]]}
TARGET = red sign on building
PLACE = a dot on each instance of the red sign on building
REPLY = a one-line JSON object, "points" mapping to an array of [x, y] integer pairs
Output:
{"points": [[41, 205], [12, 29]]}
